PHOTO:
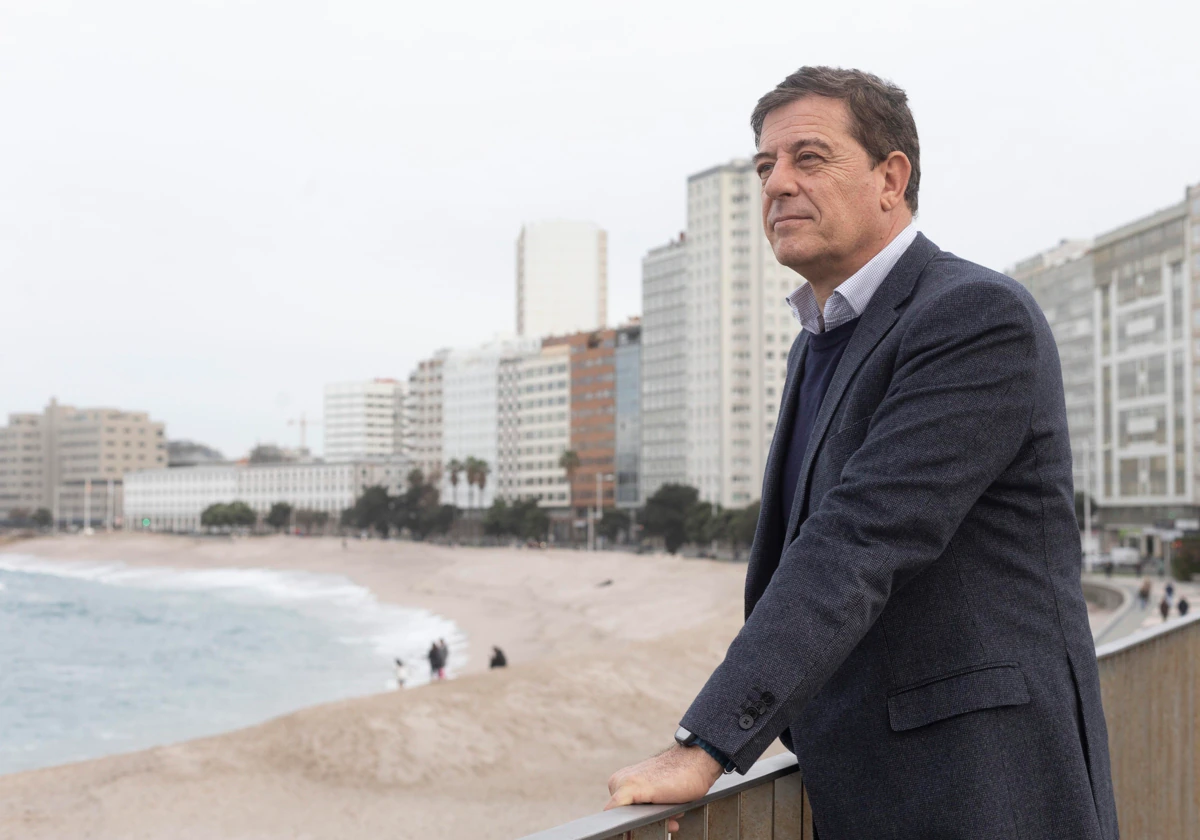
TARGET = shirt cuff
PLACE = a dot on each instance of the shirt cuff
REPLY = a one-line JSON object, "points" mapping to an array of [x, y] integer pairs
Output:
{"points": [[720, 757]]}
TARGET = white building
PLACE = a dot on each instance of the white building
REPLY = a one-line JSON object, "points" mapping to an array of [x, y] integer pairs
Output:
{"points": [[471, 412], [739, 331], [365, 420], [1147, 312], [664, 366], [173, 499], [562, 278], [535, 427]]}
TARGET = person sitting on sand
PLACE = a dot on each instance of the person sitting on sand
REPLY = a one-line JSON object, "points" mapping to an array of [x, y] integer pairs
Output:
{"points": [[498, 659]]}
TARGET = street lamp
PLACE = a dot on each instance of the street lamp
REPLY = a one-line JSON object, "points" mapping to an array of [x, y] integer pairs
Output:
{"points": [[597, 511]]}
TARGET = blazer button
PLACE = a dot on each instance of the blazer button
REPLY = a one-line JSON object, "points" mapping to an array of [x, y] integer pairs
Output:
{"points": [[767, 697], [746, 721]]}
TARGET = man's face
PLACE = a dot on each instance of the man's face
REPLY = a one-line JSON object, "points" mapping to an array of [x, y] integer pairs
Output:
{"points": [[820, 191]]}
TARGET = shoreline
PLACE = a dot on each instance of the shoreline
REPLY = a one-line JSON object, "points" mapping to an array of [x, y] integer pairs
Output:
{"points": [[598, 677], [531, 602]]}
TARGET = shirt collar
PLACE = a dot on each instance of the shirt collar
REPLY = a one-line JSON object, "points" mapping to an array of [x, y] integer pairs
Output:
{"points": [[850, 298]]}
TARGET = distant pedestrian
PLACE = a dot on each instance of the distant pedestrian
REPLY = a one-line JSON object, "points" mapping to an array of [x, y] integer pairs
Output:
{"points": [[401, 672], [437, 662], [1182, 606], [1170, 592], [445, 656], [1108, 568], [498, 658], [1144, 595], [1164, 607]]}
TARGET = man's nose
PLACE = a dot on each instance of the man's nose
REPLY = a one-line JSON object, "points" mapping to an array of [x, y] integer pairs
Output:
{"points": [[781, 182]]}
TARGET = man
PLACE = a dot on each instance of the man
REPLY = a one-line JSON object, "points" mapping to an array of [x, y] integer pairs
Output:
{"points": [[915, 627]]}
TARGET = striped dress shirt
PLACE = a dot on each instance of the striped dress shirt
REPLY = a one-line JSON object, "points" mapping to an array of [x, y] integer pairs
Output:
{"points": [[853, 294]]}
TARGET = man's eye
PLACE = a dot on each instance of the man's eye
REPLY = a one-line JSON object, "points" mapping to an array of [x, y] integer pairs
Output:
{"points": [[807, 157], [764, 170]]}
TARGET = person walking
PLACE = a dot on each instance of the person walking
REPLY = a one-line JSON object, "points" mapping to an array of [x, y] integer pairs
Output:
{"points": [[401, 673], [916, 631], [1144, 595], [1164, 608], [437, 662], [445, 649], [1170, 590], [498, 658], [1182, 606]]}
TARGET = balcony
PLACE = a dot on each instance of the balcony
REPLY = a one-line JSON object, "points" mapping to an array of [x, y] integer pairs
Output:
{"points": [[1150, 682]]}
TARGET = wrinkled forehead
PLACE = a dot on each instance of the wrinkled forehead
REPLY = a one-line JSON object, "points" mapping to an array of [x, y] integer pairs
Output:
{"points": [[818, 117]]}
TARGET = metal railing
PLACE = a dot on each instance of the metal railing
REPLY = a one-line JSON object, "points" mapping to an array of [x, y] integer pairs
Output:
{"points": [[1150, 682]]}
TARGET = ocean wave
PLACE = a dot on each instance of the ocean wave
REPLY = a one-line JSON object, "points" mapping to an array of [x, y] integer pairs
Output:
{"points": [[390, 630]]}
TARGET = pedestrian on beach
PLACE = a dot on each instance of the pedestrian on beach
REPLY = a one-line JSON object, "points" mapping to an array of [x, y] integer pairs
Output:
{"points": [[1144, 594], [1182, 606], [437, 662], [401, 672], [1164, 607], [445, 657], [498, 658], [915, 627]]}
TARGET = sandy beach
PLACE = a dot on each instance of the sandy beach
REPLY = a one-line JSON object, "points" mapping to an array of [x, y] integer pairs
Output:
{"points": [[599, 677]]}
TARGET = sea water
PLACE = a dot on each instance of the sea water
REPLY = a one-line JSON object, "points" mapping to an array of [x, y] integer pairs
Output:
{"points": [[97, 658]]}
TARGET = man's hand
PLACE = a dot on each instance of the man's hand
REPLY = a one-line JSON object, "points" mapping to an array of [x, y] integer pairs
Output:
{"points": [[674, 776]]}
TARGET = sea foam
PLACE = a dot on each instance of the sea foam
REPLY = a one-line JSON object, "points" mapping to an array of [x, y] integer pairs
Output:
{"points": [[391, 631]]}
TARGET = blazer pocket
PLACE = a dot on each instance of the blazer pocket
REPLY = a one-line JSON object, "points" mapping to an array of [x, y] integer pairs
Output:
{"points": [[981, 687]]}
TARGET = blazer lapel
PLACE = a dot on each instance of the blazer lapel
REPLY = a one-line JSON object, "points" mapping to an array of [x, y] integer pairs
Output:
{"points": [[881, 313]]}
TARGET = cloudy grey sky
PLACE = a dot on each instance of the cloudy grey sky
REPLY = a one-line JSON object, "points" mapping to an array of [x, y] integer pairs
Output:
{"points": [[209, 209]]}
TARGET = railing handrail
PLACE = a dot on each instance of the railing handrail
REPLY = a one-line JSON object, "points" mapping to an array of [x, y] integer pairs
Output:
{"points": [[606, 824]]}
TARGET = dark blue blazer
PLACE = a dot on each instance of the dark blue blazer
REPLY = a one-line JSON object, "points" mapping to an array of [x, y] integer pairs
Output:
{"points": [[920, 640]]}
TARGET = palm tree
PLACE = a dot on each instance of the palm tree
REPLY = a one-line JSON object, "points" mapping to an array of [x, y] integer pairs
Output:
{"points": [[454, 468], [481, 476], [569, 462], [472, 469]]}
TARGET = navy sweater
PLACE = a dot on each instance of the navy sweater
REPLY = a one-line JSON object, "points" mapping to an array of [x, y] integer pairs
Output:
{"points": [[824, 352]]}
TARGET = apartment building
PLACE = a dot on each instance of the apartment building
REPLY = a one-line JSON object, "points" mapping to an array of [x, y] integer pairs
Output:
{"points": [[739, 331], [72, 461], [365, 420], [593, 415], [535, 427], [562, 278], [471, 392], [664, 349], [1147, 312], [424, 414]]}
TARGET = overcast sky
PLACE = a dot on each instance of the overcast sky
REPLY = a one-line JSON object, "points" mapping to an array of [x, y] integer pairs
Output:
{"points": [[210, 209]]}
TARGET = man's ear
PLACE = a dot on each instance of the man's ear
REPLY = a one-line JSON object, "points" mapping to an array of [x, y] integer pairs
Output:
{"points": [[896, 171]]}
